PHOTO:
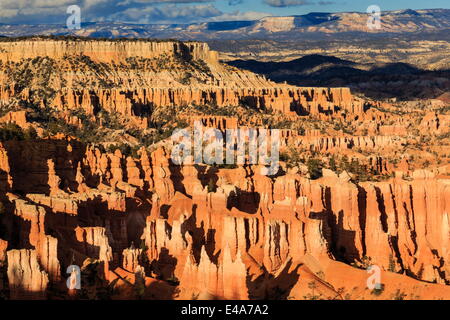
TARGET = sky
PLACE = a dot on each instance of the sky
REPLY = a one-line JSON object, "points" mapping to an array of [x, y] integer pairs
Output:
{"points": [[188, 11]]}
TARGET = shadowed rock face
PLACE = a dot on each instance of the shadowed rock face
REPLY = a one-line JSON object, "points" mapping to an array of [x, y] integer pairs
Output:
{"points": [[156, 230], [375, 80]]}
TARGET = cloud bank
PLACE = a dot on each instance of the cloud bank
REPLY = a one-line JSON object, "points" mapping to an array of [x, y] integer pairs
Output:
{"points": [[137, 11]]}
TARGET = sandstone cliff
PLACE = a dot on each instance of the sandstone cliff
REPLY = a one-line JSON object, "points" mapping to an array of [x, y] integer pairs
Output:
{"points": [[360, 182]]}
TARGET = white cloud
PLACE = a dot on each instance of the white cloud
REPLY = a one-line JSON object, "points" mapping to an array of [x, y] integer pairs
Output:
{"points": [[33, 4], [241, 16], [235, 2], [130, 11], [287, 3], [167, 14], [133, 11]]}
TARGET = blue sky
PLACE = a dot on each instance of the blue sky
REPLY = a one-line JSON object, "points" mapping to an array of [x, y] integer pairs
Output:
{"points": [[188, 11]]}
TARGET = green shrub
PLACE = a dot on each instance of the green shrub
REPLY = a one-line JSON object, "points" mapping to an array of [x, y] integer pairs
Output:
{"points": [[314, 168], [11, 131], [378, 291], [212, 186], [399, 295]]}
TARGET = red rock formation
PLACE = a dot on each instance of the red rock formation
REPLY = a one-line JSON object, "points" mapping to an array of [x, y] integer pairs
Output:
{"points": [[45, 246], [396, 223], [213, 232], [26, 280], [3, 247], [94, 243], [131, 259], [17, 117], [289, 100]]}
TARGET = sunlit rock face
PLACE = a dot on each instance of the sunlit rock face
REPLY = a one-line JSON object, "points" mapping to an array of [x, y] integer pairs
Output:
{"points": [[157, 230]]}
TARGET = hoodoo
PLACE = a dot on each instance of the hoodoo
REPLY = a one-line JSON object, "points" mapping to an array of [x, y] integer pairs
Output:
{"points": [[87, 179]]}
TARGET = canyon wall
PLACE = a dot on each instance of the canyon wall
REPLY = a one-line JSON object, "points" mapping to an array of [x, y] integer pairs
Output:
{"points": [[158, 74], [104, 51], [158, 230], [251, 229]]}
